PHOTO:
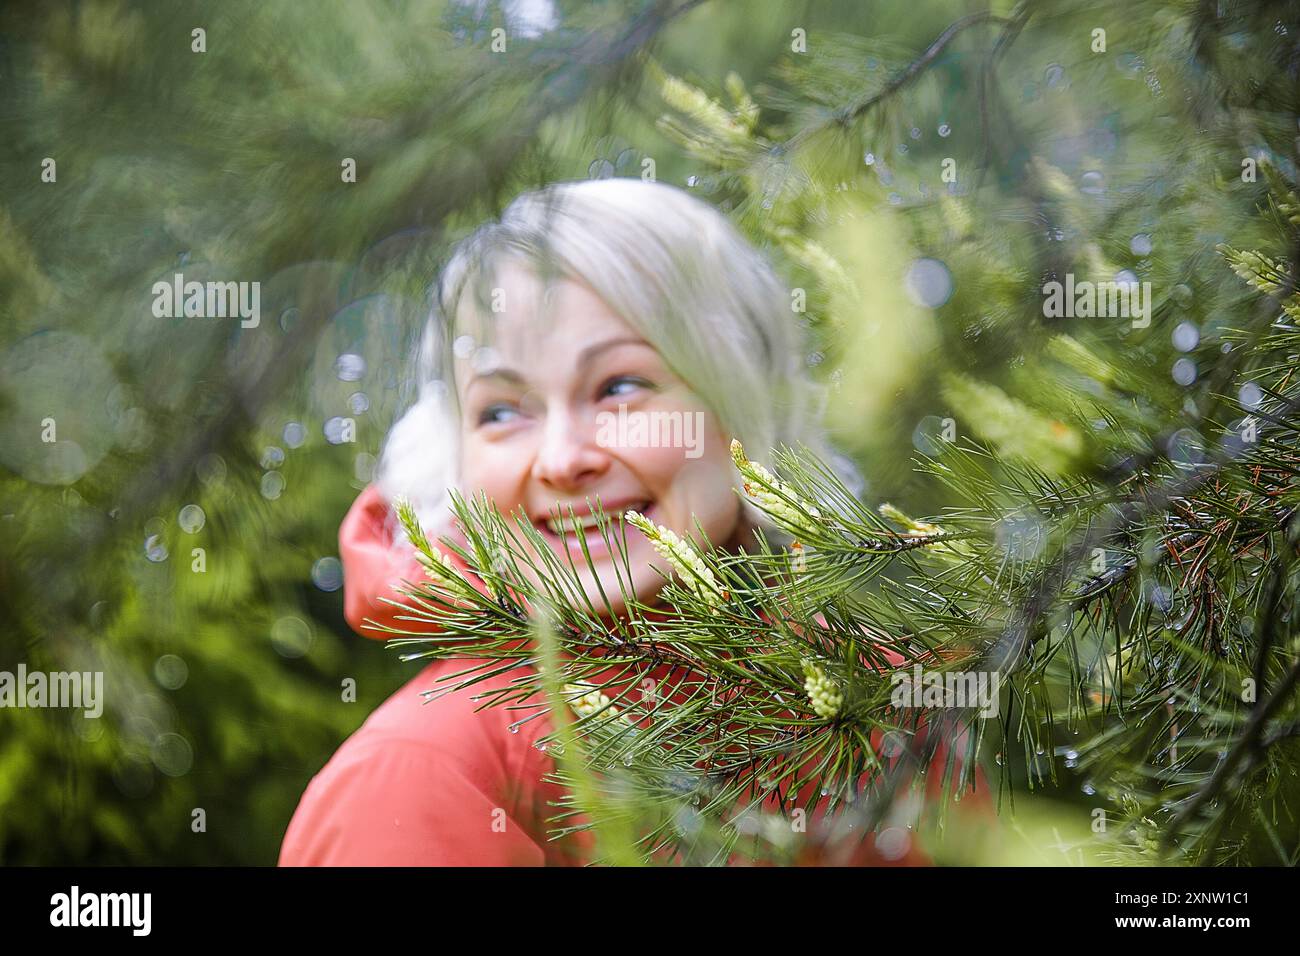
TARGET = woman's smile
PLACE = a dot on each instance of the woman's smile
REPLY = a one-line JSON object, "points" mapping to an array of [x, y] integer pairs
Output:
{"points": [[580, 525]]}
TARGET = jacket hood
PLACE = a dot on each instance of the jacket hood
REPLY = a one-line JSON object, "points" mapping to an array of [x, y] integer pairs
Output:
{"points": [[375, 565]]}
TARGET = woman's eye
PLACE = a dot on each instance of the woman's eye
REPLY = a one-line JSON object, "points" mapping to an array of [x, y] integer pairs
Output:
{"points": [[496, 414], [624, 385]]}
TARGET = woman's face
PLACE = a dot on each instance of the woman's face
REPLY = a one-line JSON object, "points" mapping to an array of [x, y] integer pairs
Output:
{"points": [[561, 402]]}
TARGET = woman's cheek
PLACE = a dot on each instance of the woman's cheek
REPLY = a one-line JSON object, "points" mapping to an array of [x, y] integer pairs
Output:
{"points": [[492, 467], [703, 485], [663, 467], [703, 491]]}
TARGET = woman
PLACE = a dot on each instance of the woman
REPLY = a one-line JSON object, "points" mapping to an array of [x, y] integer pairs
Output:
{"points": [[586, 302]]}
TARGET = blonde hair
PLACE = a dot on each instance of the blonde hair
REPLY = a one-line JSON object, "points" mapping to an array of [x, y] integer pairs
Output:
{"points": [[675, 269]]}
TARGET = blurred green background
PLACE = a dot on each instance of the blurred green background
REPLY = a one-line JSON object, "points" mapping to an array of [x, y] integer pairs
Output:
{"points": [[180, 534]]}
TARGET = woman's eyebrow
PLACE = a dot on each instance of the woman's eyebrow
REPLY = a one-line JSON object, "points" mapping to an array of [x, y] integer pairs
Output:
{"points": [[507, 375], [510, 376], [591, 351]]}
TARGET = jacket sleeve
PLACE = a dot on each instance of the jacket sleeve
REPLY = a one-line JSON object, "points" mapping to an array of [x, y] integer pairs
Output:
{"points": [[403, 805]]}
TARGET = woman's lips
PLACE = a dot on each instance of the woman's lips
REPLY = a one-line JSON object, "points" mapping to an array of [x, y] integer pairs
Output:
{"points": [[594, 537]]}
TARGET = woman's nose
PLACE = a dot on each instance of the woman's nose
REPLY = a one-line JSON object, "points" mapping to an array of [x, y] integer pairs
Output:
{"points": [[569, 456]]}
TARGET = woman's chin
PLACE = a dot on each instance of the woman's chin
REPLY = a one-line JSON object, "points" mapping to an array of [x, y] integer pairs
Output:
{"points": [[605, 595]]}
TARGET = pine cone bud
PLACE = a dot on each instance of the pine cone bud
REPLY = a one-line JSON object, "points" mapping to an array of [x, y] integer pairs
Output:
{"points": [[915, 529], [825, 697], [585, 704], [438, 567], [772, 495], [681, 556]]}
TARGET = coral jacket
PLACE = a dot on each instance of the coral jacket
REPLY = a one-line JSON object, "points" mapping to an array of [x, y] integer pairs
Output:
{"points": [[448, 781]]}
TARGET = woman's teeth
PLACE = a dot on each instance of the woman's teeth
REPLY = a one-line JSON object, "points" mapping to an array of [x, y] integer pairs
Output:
{"points": [[565, 525], [587, 522]]}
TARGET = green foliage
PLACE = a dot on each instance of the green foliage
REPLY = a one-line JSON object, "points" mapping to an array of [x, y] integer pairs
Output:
{"points": [[1114, 532], [1112, 526]]}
